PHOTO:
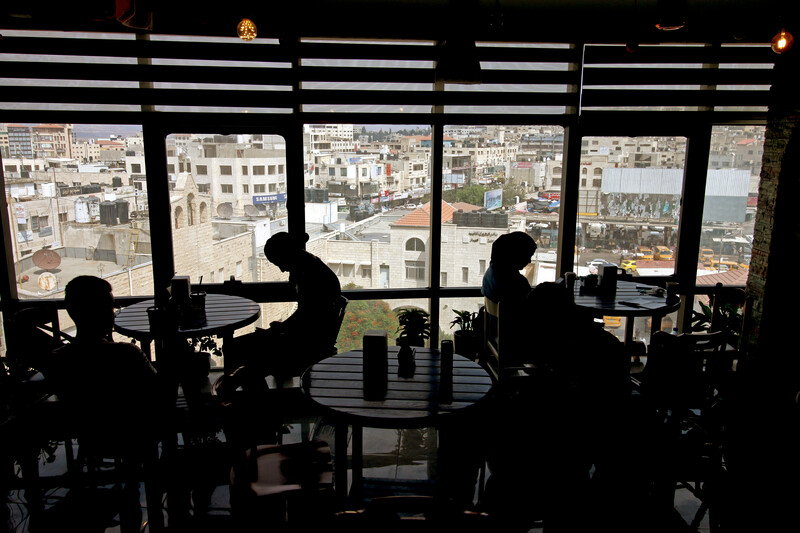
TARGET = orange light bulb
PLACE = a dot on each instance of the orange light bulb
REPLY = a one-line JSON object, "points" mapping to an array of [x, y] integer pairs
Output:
{"points": [[782, 42], [246, 30]]}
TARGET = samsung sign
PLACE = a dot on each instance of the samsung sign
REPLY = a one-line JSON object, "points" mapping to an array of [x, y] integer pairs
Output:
{"points": [[269, 198]]}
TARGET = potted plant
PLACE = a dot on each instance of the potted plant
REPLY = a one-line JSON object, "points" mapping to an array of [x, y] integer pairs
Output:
{"points": [[465, 338], [414, 327]]}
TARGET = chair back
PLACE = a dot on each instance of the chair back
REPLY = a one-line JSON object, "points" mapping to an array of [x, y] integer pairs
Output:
{"points": [[504, 345], [683, 371]]}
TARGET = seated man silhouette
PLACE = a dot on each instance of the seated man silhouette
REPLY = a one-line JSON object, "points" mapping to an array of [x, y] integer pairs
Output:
{"points": [[109, 390], [111, 386], [308, 335]]}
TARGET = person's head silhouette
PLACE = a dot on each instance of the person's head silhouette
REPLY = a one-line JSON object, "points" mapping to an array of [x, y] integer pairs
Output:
{"points": [[90, 304], [283, 249], [513, 250]]}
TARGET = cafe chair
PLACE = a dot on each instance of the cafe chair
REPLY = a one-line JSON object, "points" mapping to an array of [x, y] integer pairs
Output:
{"points": [[270, 483], [502, 341], [684, 387]]}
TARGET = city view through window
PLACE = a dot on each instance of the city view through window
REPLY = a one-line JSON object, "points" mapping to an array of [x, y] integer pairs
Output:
{"points": [[77, 199]]}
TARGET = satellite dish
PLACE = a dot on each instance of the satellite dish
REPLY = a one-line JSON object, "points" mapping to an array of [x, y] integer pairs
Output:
{"points": [[251, 210], [225, 210], [46, 259]]}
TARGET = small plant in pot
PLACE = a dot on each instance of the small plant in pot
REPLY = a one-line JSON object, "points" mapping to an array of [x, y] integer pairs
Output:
{"points": [[465, 338], [414, 327]]}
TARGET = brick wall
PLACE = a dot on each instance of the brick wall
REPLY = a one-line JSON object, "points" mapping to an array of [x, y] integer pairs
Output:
{"points": [[769, 317]]}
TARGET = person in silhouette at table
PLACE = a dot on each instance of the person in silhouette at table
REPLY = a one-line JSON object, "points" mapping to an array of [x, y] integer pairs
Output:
{"points": [[111, 394], [502, 281], [290, 346]]}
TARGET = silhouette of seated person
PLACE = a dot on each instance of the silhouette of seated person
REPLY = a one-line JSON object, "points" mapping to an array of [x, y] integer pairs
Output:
{"points": [[110, 392], [111, 387], [502, 281], [571, 410], [288, 347]]}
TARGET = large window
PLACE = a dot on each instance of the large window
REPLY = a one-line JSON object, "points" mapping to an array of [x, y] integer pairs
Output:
{"points": [[367, 210], [734, 166], [218, 237], [629, 210], [79, 215]]}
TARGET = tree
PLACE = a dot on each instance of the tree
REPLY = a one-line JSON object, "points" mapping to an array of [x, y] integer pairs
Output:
{"points": [[363, 315]]}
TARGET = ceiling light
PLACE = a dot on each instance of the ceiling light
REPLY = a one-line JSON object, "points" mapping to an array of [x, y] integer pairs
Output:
{"points": [[671, 14], [246, 30], [782, 42]]}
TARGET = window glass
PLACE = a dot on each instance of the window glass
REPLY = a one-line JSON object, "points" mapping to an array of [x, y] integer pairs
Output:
{"points": [[363, 315], [729, 211], [366, 207], [628, 211], [220, 229], [498, 179], [79, 206]]}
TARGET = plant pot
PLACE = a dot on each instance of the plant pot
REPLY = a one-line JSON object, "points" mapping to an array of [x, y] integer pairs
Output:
{"points": [[465, 343], [410, 341]]}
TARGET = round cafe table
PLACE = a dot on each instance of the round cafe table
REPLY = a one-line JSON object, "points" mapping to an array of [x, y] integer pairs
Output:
{"points": [[630, 300], [336, 385], [224, 315]]}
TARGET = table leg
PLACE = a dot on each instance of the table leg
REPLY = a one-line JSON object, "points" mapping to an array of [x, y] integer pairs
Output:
{"points": [[356, 493], [629, 330], [340, 463]]}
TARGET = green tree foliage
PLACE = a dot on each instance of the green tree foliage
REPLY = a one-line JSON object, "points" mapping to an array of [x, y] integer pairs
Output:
{"points": [[361, 316], [471, 195]]}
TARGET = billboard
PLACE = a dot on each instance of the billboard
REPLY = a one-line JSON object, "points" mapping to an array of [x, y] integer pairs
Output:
{"points": [[493, 199]]}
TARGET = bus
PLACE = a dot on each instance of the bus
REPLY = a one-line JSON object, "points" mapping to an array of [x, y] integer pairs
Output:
{"points": [[646, 254], [663, 253]]}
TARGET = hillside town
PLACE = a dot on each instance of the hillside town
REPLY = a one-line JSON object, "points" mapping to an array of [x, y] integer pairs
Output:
{"points": [[80, 203]]}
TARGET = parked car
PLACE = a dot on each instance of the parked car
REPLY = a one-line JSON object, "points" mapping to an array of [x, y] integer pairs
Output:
{"points": [[599, 263], [628, 265]]}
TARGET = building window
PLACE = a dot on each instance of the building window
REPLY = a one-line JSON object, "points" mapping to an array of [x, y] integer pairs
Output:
{"points": [[245, 188], [226, 188], [171, 169], [202, 170], [259, 188], [331, 171], [343, 171], [443, 281], [136, 168], [415, 270], [226, 170], [415, 245], [245, 170], [271, 170], [366, 272], [464, 274], [258, 170], [481, 266]]}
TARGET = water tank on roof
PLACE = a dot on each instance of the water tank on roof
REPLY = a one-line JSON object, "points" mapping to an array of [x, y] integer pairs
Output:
{"points": [[122, 211], [93, 203], [82, 211], [108, 213]]}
